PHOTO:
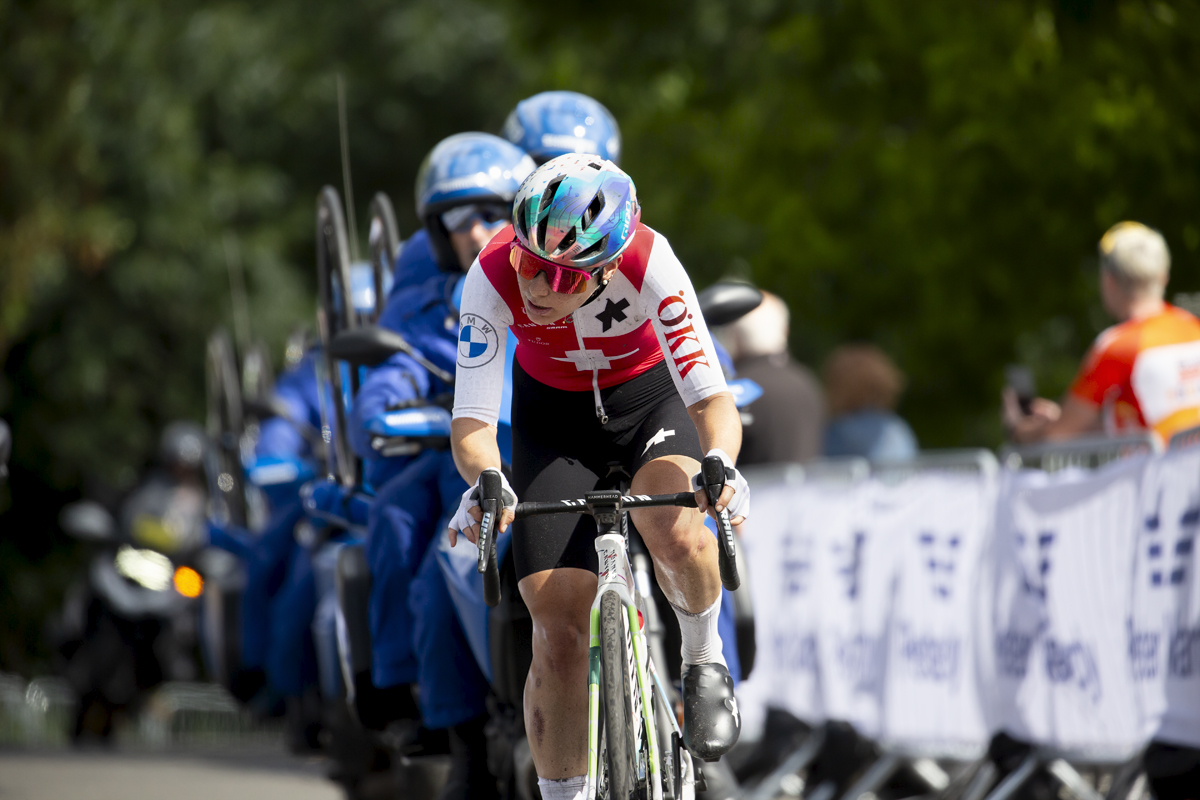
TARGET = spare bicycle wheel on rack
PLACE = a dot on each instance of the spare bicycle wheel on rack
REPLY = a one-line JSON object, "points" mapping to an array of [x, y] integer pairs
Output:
{"points": [[258, 376], [226, 424], [384, 242], [335, 313]]}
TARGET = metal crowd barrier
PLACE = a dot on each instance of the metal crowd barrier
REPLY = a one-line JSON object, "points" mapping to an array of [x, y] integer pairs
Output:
{"points": [[1087, 453], [946, 775]]}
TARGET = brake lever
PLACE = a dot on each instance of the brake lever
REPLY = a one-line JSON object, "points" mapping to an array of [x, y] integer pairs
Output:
{"points": [[491, 503], [712, 475]]}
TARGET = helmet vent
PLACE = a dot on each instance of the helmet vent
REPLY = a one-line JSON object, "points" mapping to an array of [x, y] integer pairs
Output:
{"points": [[541, 232], [598, 247], [549, 192], [595, 166], [565, 244], [522, 216], [593, 210]]}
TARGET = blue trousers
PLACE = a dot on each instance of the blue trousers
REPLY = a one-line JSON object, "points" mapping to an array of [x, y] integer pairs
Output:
{"points": [[267, 561], [291, 661], [399, 528], [416, 635]]}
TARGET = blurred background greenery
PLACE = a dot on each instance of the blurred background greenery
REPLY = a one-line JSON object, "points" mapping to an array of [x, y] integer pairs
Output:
{"points": [[930, 176]]}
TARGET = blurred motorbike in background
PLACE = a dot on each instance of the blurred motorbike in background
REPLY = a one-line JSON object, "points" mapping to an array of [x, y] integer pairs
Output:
{"points": [[131, 622]]}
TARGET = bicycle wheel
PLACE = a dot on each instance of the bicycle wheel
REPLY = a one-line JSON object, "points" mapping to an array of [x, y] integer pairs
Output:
{"points": [[619, 722], [335, 313], [226, 421], [384, 240]]}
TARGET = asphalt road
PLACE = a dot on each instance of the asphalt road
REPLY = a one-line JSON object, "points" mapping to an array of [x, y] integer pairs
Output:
{"points": [[100, 775]]}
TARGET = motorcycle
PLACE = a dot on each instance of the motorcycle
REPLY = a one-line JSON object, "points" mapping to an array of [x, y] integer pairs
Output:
{"points": [[131, 623]]}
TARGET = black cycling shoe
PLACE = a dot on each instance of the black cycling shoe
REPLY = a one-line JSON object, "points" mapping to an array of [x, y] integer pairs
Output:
{"points": [[711, 720]]}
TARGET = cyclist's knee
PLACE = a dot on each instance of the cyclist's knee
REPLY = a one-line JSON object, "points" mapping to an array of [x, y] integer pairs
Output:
{"points": [[559, 601], [673, 538], [674, 535]]}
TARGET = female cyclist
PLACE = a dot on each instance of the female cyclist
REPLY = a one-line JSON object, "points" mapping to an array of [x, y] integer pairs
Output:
{"points": [[612, 360]]}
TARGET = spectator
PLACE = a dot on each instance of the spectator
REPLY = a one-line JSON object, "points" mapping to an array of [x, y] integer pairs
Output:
{"points": [[785, 423], [862, 386], [1142, 373]]}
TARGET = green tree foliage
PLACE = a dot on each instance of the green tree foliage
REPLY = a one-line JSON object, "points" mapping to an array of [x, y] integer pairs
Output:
{"points": [[929, 176], [933, 177], [142, 145]]}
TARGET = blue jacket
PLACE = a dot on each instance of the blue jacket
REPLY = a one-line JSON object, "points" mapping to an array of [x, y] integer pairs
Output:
{"points": [[420, 308], [279, 440], [415, 265]]}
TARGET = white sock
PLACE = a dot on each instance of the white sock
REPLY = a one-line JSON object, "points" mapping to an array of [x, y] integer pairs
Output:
{"points": [[565, 789], [701, 641]]}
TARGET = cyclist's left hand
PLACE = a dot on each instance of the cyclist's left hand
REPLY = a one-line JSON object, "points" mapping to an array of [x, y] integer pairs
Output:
{"points": [[735, 497]]}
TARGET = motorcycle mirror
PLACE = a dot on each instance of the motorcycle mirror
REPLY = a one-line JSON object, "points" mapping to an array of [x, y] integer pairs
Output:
{"points": [[5, 447], [726, 301], [88, 521], [371, 345]]}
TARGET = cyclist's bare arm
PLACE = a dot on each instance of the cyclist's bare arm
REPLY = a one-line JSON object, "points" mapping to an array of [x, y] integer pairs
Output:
{"points": [[473, 443], [1050, 421], [719, 426]]}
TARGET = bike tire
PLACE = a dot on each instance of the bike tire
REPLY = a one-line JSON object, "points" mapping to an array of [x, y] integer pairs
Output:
{"points": [[335, 313], [226, 424], [384, 241], [617, 702]]}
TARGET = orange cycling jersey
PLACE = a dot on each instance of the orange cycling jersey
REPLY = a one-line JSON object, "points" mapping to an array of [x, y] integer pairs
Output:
{"points": [[1146, 373]]}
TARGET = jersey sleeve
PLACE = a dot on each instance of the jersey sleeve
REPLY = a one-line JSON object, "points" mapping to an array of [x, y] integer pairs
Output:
{"points": [[484, 319], [669, 301], [1108, 365]]}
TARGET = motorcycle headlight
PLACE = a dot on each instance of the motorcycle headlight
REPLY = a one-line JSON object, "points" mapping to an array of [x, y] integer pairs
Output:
{"points": [[147, 568]]}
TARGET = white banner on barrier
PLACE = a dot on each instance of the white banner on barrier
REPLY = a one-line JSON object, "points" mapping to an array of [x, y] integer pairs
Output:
{"points": [[1164, 627], [779, 550], [940, 523], [1054, 652], [854, 566], [1063, 609]]}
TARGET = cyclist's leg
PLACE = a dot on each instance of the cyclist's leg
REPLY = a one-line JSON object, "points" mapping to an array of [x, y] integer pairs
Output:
{"points": [[555, 560], [684, 551]]}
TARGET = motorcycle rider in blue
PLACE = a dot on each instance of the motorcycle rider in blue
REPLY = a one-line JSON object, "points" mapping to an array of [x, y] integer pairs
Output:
{"points": [[283, 462], [464, 195]]}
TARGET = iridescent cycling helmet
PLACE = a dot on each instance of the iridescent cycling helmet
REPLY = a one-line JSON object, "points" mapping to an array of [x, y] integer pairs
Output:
{"points": [[577, 210], [552, 124], [464, 169]]}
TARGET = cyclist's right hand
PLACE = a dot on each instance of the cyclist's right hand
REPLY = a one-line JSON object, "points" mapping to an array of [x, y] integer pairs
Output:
{"points": [[469, 513]]}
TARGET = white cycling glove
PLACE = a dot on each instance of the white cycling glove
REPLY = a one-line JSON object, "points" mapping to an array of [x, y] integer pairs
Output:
{"points": [[462, 518], [739, 504]]}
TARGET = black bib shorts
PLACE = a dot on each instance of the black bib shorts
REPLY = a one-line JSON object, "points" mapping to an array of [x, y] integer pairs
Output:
{"points": [[561, 451]]}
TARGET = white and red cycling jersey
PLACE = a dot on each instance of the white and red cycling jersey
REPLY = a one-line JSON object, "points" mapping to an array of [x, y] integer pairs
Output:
{"points": [[648, 313]]}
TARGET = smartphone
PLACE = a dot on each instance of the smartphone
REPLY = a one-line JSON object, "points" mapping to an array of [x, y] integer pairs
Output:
{"points": [[1019, 378]]}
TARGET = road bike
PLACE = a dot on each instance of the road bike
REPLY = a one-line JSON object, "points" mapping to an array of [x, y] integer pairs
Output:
{"points": [[635, 745]]}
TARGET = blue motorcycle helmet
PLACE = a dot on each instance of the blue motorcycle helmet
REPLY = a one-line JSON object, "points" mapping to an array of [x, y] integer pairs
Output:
{"points": [[552, 124], [467, 169]]}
